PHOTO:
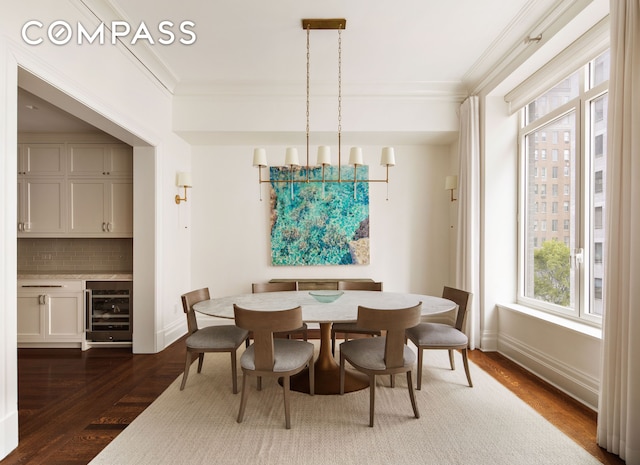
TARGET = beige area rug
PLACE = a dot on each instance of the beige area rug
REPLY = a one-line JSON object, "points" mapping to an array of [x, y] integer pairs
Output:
{"points": [[486, 424]]}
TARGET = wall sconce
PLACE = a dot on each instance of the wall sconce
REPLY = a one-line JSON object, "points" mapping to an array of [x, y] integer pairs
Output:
{"points": [[451, 183], [183, 180]]}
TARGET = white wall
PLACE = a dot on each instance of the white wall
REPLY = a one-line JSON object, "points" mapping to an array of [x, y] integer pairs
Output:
{"points": [[8, 284], [565, 354], [499, 218], [106, 86], [409, 233]]}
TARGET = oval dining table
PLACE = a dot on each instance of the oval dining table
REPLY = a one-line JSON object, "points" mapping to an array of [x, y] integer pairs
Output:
{"points": [[344, 309]]}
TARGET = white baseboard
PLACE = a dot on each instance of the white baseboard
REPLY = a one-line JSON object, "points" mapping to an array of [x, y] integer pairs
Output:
{"points": [[8, 433], [581, 386], [174, 332]]}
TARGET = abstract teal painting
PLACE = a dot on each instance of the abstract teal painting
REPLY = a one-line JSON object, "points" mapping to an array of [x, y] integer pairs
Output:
{"points": [[319, 223]]}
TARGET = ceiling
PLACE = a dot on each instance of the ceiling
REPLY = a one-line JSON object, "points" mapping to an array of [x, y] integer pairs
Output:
{"points": [[408, 43], [409, 47]]}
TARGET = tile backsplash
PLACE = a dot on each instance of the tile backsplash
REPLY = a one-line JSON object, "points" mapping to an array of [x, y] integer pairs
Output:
{"points": [[74, 255]]}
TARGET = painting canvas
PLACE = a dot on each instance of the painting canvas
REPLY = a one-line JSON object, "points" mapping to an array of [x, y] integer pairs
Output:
{"points": [[319, 223]]}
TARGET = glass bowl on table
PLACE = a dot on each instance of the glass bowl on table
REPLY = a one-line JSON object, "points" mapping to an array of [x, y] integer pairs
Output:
{"points": [[326, 296]]}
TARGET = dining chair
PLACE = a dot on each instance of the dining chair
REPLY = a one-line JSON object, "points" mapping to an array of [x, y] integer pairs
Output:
{"points": [[279, 287], [221, 338], [273, 357], [386, 355], [444, 336], [352, 328]]}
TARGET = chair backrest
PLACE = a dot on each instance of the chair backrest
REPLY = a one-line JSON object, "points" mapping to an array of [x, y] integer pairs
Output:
{"points": [[462, 298], [274, 287], [359, 286], [263, 324], [188, 301], [395, 322]]}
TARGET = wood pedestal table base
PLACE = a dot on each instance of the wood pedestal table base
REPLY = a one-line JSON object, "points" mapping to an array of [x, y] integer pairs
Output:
{"points": [[327, 371]]}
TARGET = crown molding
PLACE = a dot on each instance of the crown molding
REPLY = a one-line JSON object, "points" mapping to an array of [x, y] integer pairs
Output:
{"points": [[448, 91], [104, 11], [500, 61]]}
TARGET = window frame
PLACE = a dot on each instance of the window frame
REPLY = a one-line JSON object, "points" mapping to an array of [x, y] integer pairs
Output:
{"points": [[583, 192]]}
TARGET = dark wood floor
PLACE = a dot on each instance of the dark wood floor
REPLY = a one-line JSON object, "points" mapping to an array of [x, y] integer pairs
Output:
{"points": [[73, 403]]}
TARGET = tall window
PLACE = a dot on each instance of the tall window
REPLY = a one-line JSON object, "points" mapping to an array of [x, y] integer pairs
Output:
{"points": [[562, 271]]}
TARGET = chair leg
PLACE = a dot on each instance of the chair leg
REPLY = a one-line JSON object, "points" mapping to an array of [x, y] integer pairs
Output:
{"points": [[259, 383], [243, 399], [234, 372], [312, 377], [451, 361], [412, 395], [372, 398], [200, 360], [419, 374], [341, 373], [285, 389], [187, 364], [465, 361]]}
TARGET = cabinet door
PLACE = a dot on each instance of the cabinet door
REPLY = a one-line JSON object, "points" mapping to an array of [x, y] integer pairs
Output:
{"points": [[22, 205], [42, 203], [64, 316], [120, 219], [31, 318], [119, 160], [101, 208], [42, 160], [87, 159], [96, 160], [88, 207]]}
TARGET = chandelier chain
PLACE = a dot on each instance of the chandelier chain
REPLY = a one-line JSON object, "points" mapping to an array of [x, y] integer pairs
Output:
{"points": [[308, 76], [291, 159], [339, 81]]}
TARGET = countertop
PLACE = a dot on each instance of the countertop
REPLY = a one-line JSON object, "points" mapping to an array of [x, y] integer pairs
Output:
{"points": [[88, 275]]}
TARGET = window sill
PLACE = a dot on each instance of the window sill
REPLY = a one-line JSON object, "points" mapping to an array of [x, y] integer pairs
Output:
{"points": [[567, 323]]}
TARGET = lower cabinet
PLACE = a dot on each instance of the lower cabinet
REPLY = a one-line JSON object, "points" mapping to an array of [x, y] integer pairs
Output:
{"points": [[50, 314]]}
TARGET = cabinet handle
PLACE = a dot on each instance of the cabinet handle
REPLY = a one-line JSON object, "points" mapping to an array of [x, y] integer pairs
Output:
{"points": [[42, 299], [109, 227], [104, 227]]}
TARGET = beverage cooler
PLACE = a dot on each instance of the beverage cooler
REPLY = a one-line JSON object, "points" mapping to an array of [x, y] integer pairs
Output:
{"points": [[109, 311]]}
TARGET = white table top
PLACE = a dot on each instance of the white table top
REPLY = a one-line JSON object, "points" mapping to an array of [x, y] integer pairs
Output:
{"points": [[344, 309]]}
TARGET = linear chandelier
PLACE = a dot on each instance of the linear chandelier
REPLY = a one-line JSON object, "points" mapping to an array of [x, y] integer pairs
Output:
{"points": [[324, 152]]}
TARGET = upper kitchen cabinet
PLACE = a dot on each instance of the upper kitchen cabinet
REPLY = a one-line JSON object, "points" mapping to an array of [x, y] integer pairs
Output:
{"points": [[101, 208], [42, 207], [98, 160], [74, 188], [42, 160], [41, 189]]}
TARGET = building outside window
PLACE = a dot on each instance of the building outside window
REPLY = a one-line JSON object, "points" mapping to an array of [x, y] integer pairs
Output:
{"points": [[563, 272]]}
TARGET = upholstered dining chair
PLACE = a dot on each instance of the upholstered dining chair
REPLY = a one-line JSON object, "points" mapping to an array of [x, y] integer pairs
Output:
{"points": [[444, 336], [223, 338], [352, 328], [279, 287], [386, 355], [273, 357]]}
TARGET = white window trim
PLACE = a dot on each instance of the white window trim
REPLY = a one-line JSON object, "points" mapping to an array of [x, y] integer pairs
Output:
{"points": [[586, 48]]}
